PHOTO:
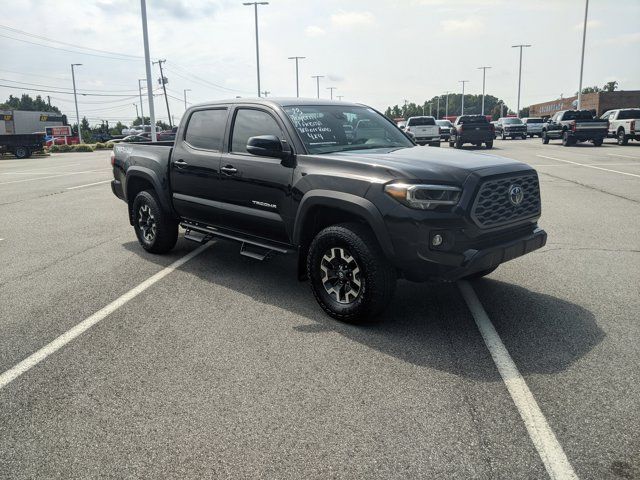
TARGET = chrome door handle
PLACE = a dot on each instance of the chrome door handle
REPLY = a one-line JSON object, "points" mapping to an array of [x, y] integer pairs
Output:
{"points": [[180, 163], [229, 170]]}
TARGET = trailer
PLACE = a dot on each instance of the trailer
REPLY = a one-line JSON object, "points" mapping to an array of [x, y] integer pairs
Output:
{"points": [[22, 145]]}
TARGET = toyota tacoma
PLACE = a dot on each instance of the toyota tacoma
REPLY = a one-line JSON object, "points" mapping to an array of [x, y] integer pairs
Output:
{"points": [[359, 209]]}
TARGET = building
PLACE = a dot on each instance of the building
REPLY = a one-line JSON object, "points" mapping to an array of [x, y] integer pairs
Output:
{"points": [[25, 121], [600, 102]]}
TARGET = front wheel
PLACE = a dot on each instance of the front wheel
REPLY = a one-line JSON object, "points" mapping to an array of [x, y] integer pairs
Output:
{"points": [[566, 140], [524, 137], [622, 138], [350, 277], [21, 152], [458, 143], [157, 232], [504, 137], [489, 144], [545, 139]]}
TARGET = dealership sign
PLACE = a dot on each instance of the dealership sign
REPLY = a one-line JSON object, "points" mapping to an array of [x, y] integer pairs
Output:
{"points": [[64, 131]]}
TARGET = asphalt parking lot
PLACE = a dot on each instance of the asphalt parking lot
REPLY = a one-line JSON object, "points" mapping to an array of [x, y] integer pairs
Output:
{"points": [[225, 367]]}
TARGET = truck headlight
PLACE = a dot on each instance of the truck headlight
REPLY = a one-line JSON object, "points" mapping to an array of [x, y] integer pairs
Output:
{"points": [[423, 197]]}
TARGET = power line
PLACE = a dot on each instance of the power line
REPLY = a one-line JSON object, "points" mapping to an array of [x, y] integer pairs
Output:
{"points": [[215, 85], [17, 87], [54, 86]]}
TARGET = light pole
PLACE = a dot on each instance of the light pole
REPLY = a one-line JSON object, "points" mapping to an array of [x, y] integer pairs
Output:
{"points": [[340, 97], [462, 107], [140, 93], [297, 82], [75, 99], [438, 107], [185, 97], [147, 63], [317, 77], [255, 9], [136, 105], [332, 89], [584, 38], [484, 73], [446, 104], [519, 74]]}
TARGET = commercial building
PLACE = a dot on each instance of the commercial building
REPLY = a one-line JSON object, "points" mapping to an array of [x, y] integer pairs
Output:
{"points": [[600, 102]]}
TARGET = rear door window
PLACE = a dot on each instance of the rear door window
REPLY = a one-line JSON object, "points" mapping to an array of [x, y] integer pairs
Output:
{"points": [[206, 129]]}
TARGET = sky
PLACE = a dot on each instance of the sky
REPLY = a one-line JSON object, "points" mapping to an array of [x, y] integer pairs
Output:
{"points": [[376, 52]]}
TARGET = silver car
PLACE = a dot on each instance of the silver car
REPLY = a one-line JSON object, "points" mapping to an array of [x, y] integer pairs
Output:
{"points": [[534, 126]]}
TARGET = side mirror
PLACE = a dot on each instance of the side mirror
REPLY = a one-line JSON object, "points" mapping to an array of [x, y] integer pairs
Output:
{"points": [[266, 146]]}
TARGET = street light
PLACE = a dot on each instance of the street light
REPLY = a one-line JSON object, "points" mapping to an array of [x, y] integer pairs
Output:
{"points": [[140, 93], [462, 107], [136, 105], [75, 99], [519, 74], [317, 77], [438, 107], [185, 97], [484, 73], [446, 104], [340, 97], [584, 38], [332, 89], [255, 7], [297, 83]]}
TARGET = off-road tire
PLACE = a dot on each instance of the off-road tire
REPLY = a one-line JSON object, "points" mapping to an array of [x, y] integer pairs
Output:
{"points": [[164, 236], [376, 275]]}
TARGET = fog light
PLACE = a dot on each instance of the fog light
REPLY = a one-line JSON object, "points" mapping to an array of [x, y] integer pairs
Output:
{"points": [[436, 240]]}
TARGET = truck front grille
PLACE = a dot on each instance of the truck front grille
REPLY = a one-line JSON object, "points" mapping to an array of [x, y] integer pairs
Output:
{"points": [[493, 206]]}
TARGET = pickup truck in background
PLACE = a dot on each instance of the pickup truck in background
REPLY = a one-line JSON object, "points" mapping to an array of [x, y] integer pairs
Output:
{"points": [[573, 126], [472, 129], [624, 124], [445, 129], [534, 126], [282, 176], [424, 130], [510, 127]]}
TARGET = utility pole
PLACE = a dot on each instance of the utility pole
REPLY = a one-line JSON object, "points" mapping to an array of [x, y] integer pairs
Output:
{"points": [[332, 89], [163, 81], [462, 107], [147, 63], [297, 82], [446, 104], [255, 9], [266, 93], [519, 74], [140, 93], [136, 105], [75, 99], [430, 105], [484, 73], [317, 77], [49, 100], [438, 107], [185, 97], [584, 38], [340, 97]]}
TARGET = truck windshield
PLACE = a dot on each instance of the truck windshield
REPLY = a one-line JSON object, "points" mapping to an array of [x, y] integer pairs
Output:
{"points": [[511, 120], [421, 121], [325, 128], [629, 114], [534, 120]]}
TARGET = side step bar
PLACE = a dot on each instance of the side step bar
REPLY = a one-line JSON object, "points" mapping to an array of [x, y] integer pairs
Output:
{"points": [[249, 247]]}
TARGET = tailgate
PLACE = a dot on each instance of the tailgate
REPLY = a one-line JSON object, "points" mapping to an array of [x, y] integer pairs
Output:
{"points": [[426, 131], [583, 126]]}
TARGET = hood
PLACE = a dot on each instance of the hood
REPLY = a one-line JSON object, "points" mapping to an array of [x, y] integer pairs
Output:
{"points": [[427, 163]]}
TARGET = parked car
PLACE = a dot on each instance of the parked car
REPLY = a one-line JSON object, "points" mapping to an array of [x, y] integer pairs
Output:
{"points": [[510, 127], [472, 129], [573, 126], [280, 176], [402, 125], [534, 126], [424, 130], [166, 136], [624, 124], [445, 129], [135, 139]]}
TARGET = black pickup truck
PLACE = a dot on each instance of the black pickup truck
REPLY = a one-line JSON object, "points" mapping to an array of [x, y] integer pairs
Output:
{"points": [[358, 210], [573, 126], [510, 127], [474, 129]]}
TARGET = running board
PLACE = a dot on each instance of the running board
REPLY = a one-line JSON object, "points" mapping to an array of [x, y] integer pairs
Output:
{"points": [[249, 247]]}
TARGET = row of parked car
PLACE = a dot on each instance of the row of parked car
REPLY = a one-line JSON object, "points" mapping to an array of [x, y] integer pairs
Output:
{"points": [[569, 126]]}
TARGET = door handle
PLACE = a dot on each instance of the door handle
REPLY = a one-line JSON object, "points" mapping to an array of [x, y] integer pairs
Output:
{"points": [[180, 163], [229, 170]]}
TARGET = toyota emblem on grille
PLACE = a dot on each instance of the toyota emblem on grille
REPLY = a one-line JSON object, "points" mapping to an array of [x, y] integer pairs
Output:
{"points": [[516, 195]]}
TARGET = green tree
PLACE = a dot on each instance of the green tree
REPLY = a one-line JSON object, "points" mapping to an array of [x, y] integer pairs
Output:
{"points": [[610, 86], [162, 125], [524, 112], [472, 106], [594, 89], [117, 130], [141, 121], [25, 102]]}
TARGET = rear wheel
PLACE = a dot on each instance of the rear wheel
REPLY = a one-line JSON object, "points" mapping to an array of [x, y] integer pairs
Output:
{"points": [[545, 139], [157, 232], [566, 139], [21, 152], [458, 143], [622, 138], [350, 277], [524, 137], [489, 144], [597, 142]]}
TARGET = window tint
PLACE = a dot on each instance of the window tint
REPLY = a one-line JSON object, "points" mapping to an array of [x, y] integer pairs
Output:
{"points": [[629, 114], [252, 123], [534, 120], [512, 121], [577, 115], [472, 119], [206, 129], [420, 121]]}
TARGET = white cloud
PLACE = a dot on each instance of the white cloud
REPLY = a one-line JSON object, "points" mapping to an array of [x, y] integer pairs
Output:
{"points": [[352, 19], [314, 31], [467, 25]]}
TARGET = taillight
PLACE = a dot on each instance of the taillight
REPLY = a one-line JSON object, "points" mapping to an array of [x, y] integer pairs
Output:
{"points": [[461, 127], [113, 159]]}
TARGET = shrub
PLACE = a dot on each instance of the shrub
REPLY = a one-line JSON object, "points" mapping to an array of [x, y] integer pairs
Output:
{"points": [[109, 145], [83, 147], [100, 146], [64, 148], [54, 148]]}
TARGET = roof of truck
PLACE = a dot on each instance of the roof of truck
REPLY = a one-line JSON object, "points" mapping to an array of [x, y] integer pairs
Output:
{"points": [[277, 101]]}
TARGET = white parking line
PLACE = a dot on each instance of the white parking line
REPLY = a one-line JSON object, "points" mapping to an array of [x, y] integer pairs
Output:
{"points": [[88, 185], [623, 156], [55, 345], [589, 166], [543, 438], [48, 165], [52, 176]]}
